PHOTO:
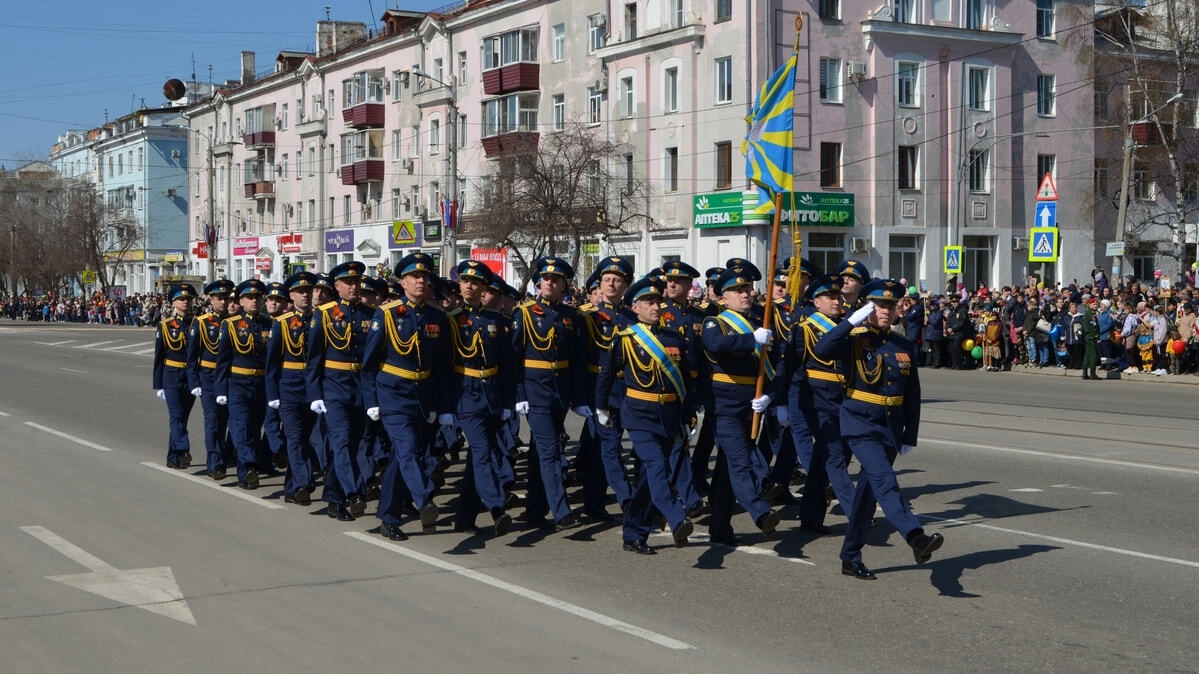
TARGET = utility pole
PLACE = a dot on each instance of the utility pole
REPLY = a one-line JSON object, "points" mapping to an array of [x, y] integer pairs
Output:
{"points": [[449, 237], [209, 234]]}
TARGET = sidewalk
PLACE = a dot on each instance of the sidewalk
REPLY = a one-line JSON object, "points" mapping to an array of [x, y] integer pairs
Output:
{"points": [[1184, 379]]}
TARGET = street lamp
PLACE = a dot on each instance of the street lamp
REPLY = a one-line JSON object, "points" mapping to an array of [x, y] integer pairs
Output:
{"points": [[1122, 212], [449, 243]]}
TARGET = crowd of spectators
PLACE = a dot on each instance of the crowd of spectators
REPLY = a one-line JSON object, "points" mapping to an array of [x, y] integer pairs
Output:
{"points": [[135, 310]]}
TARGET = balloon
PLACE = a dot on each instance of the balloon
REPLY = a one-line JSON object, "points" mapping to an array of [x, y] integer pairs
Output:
{"points": [[1054, 332], [1178, 346], [977, 352], [967, 345], [912, 290]]}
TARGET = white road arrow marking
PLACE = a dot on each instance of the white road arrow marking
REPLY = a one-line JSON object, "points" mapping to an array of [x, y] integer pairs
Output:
{"points": [[153, 589]]}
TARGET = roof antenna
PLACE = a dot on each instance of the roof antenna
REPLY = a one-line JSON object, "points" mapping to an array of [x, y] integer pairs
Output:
{"points": [[327, 8]]}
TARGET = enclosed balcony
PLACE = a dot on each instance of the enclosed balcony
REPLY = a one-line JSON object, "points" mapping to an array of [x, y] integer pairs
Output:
{"points": [[362, 103], [259, 140], [1145, 133], [362, 157], [515, 142], [261, 189], [510, 62], [364, 171]]}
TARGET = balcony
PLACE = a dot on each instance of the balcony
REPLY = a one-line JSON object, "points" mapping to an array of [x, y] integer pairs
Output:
{"points": [[362, 171], [262, 189], [510, 143], [1145, 133], [258, 139], [512, 77], [364, 115]]}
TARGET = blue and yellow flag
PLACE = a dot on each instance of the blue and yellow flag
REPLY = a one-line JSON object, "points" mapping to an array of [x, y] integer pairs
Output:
{"points": [[769, 158]]}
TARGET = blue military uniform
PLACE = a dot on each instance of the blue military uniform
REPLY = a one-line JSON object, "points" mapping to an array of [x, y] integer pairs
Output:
{"points": [[171, 350], [701, 455], [203, 343], [405, 378], [240, 381], [287, 391], [688, 321], [855, 269], [272, 427], [880, 418]]}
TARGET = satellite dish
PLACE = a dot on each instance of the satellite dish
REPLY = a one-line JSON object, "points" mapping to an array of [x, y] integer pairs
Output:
{"points": [[174, 89]]}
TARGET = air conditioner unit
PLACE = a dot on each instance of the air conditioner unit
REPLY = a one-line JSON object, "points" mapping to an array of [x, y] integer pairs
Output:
{"points": [[1019, 243], [855, 69], [337, 171], [422, 212], [601, 19], [601, 84], [386, 86], [859, 244], [278, 122], [170, 192], [406, 164], [175, 154]]}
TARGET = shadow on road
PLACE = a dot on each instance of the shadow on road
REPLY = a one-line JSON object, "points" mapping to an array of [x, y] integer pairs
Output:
{"points": [[946, 573]]}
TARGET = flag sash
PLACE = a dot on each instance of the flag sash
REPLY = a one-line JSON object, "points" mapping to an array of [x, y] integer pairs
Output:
{"points": [[738, 323], [648, 341]]}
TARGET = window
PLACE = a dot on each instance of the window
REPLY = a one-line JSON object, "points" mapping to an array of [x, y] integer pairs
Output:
{"points": [[974, 14], [1100, 177], [1143, 266], [670, 90], [397, 146], [517, 46], [312, 161], [593, 177], [461, 68], [903, 257], [978, 168], [558, 109], [397, 80], [1143, 187], [724, 79], [397, 200], [830, 80], [1102, 111], [907, 79], [978, 259], [676, 14], [979, 92], [1190, 183], [1046, 163], [670, 170], [283, 168], [630, 21], [413, 199], [283, 117], [627, 96], [363, 87], [830, 9], [347, 210], [825, 250], [830, 164], [595, 106], [462, 126], [905, 11], [1046, 95], [434, 136], [414, 146], [909, 164], [120, 164], [517, 112], [626, 174], [596, 32], [1186, 112], [438, 71], [724, 165], [724, 10], [141, 158], [360, 145], [312, 214], [558, 42], [1044, 18]]}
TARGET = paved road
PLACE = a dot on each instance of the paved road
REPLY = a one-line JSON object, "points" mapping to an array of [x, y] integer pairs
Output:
{"points": [[1071, 546]]}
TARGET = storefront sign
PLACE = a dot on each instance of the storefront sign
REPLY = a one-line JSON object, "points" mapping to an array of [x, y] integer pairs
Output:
{"points": [[339, 241], [201, 250], [432, 230], [289, 243], [245, 245], [262, 263], [818, 209], [720, 209], [404, 234], [494, 258]]}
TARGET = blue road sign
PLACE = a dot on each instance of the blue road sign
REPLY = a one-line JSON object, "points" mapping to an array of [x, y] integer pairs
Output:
{"points": [[1046, 214]]}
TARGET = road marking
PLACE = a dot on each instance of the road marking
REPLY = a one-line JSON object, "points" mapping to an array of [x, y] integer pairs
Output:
{"points": [[72, 370], [1057, 455], [143, 352], [65, 341], [96, 344], [68, 436], [4, 414], [532, 595], [1065, 541], [210, 483], [126, 346], [153, 589], [748, 549], [1028, 490]]}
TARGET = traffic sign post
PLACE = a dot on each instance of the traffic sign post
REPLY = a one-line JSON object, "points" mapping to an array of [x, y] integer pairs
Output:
{"points": [[1043, 240], [952, 259], [1046, 214], [1043, 244]]}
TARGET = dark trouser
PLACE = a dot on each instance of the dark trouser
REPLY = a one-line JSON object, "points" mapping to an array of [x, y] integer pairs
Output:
{"points": [[481, 485], [216, 425], [934, 353], [602, 464], [955, 351], [407, 473], [1074, 356], [876, 481], [247, 405], [344, 424], [179, 408], [737, 475], [653, 485], [1090, 356], [297, 422], [547, 465], [701, 454]]}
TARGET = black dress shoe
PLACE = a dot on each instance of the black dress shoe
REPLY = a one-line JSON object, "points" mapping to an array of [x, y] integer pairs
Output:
{"points": [[372, 489], [173, 462], [768, 522], [428, 516], [923, 546], [460, 528], [857, 570], [681, 532], [251, 481], [818, 529], [217, 473], [503, 524], [185, 461], [301, 497], [392, 532], [731, 541], [340, 512], [280, 460], [598, 515], [698, 510], [356, 504], [770, 489], [786, 498], [571, 521], [639, 547]]}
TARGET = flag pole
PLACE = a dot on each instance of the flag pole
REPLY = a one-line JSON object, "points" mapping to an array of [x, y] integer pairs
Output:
{"points": [[768, 313]]}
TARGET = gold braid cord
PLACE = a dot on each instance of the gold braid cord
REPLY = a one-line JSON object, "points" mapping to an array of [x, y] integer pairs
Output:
{"points": [[402, 346], [244, 348], [466, 351], [293, 347], [209, 345], [649, 367], [172, 344], [537, 341], [874, 374], [338, 342]]}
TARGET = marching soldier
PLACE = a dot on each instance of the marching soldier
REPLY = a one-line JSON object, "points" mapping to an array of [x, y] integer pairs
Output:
{"points": [[547, 338], [276, 302], [706, 441], [287, 391], [203, 344], [734, 348], [679, 315], [240, 379], [880, 418], [649, 363], [853, 276], [171, 350], [376, 447], [498, 296], [405, 383], [335, 342]]}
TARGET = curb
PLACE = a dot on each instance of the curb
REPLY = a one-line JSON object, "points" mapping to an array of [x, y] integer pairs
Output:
{"points": [[1114, 375]]}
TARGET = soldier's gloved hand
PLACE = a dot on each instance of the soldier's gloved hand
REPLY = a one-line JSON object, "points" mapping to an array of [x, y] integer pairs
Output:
{"points": [[603, 417], [372, 413], [196, 392], [581, 410], [162, 395], [904, 449], [783, 415], [318, 406], [763, 336], [222, 400], [859, 317], [445, 419], [759, 405], [505, 414], [522, 407], [273, 404], [430, 417]]}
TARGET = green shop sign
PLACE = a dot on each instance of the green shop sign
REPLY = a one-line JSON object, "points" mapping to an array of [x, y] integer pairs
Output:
{"points": [[823, 209], [721, 209]]}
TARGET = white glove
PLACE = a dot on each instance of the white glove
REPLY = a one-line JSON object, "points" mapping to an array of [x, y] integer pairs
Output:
{"points": [[430, 417], [372, 413], [783, 415], [904, 449], [602, 417], [859, 317], [446, 419], [222, 400], [196, 392], [582, 410], [759, 405], [522, 407], [318, 406], [505, 414], [762, 335], [692, 429], [162, 395], [273, 404]]}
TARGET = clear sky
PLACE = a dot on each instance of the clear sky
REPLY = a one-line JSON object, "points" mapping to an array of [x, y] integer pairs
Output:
{"points": [[68, 63]]}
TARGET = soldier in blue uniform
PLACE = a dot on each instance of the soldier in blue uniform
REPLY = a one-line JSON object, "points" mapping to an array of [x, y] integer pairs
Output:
{"points": [[853, 276], [481, 385], [774, 438], [498, 296], [276, 301], [203, 343], [240, 379], [880, 418], [286, 389], [733, 348], [550, 344], [376, 447], [170, 372], [649, 365], [405, 383], [701, 456], [679, 315], [322, 293], [335, 342]]}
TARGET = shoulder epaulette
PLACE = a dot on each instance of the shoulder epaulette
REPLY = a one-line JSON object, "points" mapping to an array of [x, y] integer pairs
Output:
{"points": [[327, 305], [453, 312], [387, 306], [587, 308], [282, 318], [860, 330], [526, 303]]}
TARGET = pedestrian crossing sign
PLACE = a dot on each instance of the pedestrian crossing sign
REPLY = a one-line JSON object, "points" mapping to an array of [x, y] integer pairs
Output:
{"points": [[1044, 244], [953, 259]]}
